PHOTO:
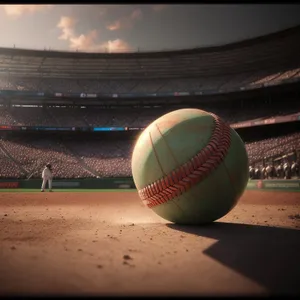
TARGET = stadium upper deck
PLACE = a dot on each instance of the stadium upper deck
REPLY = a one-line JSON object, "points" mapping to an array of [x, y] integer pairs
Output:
{"points": [[278, 50]]}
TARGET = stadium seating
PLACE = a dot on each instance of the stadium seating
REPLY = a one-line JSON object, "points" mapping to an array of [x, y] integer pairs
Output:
{"points": [[198, 84], [97, 117], [108, 159], [103, 158], [257, 151], [8, 168], [251, 64], [33, 155]]}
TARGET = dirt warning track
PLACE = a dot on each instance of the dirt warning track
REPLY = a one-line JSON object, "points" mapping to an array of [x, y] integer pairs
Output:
{"points": [[110, 244]]}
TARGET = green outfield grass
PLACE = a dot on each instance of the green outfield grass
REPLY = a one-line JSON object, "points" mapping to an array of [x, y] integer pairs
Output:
{"points": [[65, 190]]}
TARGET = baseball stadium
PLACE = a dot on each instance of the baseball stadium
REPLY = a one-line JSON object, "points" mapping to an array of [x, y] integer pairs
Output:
{"points": [[83, 113]]}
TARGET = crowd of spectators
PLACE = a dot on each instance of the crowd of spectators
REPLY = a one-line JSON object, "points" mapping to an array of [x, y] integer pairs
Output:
{"points": [[32, 155], [63, 85], [26, 156], [272, 147], [108, 159], [8, 169], [281, 169], [125, 117]]}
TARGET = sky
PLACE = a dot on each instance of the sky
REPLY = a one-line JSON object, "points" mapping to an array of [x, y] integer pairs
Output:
{"points": [[131, 28]]}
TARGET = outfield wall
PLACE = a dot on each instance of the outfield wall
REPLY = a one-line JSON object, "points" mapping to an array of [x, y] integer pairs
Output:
{"points": [[93, 183], [283, 185], [127, 183]]}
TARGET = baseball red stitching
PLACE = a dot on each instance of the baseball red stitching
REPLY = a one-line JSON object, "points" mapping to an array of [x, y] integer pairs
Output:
{"points": [[191, 172]]}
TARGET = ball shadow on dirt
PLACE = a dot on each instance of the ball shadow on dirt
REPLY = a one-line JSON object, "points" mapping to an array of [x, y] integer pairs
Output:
{"points": [[266, 255]]}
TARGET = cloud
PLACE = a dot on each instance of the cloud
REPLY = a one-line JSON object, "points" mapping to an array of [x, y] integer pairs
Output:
{"points": [[18, 10], [67, 25], [114, 26], [127, 21], [84, 41], [88, 42], [116, 46], [159, 7]]}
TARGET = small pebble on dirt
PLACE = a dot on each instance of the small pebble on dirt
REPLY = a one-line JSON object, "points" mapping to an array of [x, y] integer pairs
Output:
{"points": [[295, 217]]}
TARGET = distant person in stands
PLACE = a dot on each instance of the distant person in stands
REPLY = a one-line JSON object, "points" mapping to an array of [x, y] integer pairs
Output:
{"points": [[287, 170], [270, 171], [251, 172], [279, 170], [295, 169], [257, 172], [47, 177]]}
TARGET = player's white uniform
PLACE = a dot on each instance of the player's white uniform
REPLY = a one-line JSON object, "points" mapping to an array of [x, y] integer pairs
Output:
{"points": [[47, 176]]}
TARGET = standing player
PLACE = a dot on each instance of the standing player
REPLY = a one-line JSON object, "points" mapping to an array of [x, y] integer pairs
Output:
{"points": [[47, 176]]}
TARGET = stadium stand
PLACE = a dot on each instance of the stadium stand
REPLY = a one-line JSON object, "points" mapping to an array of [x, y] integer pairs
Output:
{"points": [[258, 63], [264, 60], [103, 158], [108, 159], [135, 117], [8, 168], [220, 82], [32, 155], [271, 147]]}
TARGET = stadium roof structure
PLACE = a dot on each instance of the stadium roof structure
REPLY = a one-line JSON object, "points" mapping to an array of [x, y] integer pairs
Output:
{"points": [[277, 49]]}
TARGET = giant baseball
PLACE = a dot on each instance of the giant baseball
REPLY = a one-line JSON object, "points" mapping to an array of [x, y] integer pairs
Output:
{"points": [[190, 167]]}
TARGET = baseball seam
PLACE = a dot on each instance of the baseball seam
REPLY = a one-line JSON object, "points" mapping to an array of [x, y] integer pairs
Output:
{"points": [[193, 171]]}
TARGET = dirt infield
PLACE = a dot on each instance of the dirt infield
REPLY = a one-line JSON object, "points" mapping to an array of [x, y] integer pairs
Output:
{"points": [[109, 243]]}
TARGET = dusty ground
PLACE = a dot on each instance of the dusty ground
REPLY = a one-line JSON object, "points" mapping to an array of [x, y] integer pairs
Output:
{"points": [[109, 243]]}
